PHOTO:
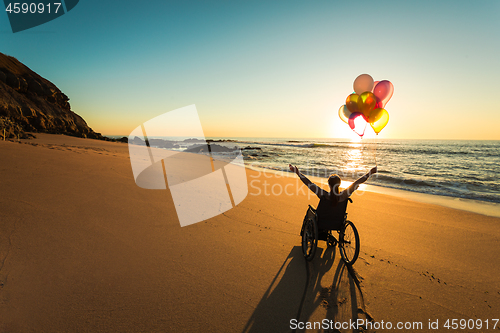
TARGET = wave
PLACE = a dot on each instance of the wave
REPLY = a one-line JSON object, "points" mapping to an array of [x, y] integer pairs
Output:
{"points": [[401, 181], [397, 148], [444, 187], [301, 144], [466, 190], [464, 169]]}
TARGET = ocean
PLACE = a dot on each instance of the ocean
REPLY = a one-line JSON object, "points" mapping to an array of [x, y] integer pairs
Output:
{"points": [[451, 168], [461, 169]]}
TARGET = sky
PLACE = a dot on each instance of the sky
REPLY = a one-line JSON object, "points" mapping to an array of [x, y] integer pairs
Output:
{"points": [[273, 68]]}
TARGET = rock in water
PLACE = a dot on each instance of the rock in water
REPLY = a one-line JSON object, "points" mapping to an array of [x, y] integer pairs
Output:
{"points": [[34, 104]]}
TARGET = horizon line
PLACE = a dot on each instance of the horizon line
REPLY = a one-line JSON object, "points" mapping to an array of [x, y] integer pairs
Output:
{"points": [[309, 138]]}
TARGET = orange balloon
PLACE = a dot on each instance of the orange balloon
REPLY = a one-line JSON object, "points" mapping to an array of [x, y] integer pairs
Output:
{"points": [[378, 119], [352, 102], [363, 103], [363, 83], [368, 102]]}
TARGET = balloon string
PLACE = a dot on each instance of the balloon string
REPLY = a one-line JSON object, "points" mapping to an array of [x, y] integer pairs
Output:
{"points": [[375, 151]]}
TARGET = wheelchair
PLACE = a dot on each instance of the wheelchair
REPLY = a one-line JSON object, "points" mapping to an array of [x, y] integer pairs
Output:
{"points": [[348, 237]]}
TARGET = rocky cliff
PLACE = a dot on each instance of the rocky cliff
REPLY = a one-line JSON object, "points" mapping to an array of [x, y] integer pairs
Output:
{"points": [[30, 103]]}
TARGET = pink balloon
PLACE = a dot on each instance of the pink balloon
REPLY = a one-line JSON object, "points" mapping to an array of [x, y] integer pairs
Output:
{"points": [[379, 104], [363, 82], [357, 122], [383, 90]]}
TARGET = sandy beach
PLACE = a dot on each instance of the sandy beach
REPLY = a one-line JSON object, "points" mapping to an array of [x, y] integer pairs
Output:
{"points": [[84, 249]]}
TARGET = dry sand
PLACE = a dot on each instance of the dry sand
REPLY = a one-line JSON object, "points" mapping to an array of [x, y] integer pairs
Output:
{"points": [[83, 249]]}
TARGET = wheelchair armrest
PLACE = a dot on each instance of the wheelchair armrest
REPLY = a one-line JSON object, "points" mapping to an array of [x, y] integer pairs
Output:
{"points": [[312, 209]]}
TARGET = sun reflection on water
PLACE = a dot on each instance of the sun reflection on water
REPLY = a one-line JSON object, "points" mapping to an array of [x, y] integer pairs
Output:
{"points": [[353, 157]]}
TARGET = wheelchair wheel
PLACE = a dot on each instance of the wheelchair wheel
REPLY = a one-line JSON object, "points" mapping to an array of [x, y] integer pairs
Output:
{"points": [[309, 239], [349, 243]]}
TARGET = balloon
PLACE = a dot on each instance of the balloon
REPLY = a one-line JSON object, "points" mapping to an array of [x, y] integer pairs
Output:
{"points": [[379, 104], [383, 91], [357, 123], [378, 119], [368, 103], [363, 83], [363, 103], [344, 114], [352, 102]]}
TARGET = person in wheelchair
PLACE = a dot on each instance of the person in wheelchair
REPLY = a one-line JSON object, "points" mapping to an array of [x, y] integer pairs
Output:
{"points": [[332, 204]]}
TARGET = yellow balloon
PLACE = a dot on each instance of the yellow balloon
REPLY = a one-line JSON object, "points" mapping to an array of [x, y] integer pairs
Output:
{"points": [[344, 114], [378, 119], [367, 103]]}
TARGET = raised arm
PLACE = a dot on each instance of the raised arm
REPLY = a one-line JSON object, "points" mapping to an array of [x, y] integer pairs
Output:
{"points": [[350, 190], [313, 187]]}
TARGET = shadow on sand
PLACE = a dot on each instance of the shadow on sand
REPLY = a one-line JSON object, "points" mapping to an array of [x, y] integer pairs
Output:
{"points": [[305, 291]]}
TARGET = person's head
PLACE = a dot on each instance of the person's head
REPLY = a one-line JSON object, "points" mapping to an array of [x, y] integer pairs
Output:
{"points": [[334, 182]]}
